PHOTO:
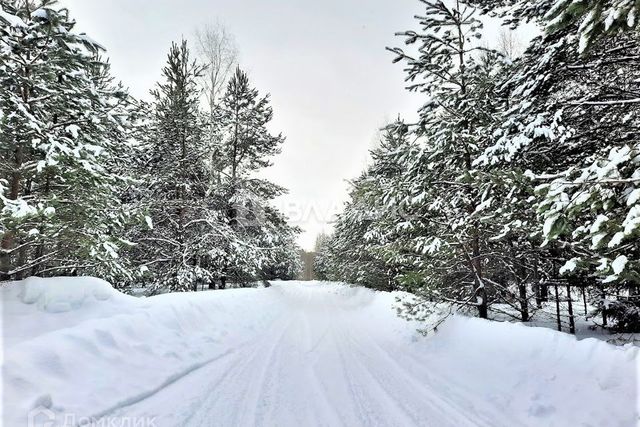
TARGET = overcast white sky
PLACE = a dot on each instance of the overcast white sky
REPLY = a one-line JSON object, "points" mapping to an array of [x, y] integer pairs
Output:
{"points": [[324, 63]]}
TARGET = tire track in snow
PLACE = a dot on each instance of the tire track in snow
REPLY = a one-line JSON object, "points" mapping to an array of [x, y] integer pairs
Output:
{"points": [[130, 401], [239, 378], [262, 395], [317, 363], [312, 357], [461, 395], [403, 416], [364, 410], [451, 414]]}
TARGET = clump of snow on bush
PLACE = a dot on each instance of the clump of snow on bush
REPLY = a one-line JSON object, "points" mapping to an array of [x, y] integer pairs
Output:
{"points": [[619, 264], [569, 265]]}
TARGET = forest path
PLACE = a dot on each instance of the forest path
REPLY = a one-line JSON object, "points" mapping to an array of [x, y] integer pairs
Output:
{"points": [[323, 360]]}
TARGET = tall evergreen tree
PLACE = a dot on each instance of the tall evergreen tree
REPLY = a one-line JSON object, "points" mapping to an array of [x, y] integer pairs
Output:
{"points": [[362, 249], [181, 214], [588, 19], [246, 147], [523, 174], [571, 127], [63, 131], [441, 185]]}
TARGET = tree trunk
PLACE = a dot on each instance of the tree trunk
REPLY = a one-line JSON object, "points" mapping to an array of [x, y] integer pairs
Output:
{"points": [[519, 274], [14, 190], [5, 256], [476, 268], [584, 300], [223, 282], [524, 306], [7, 242], [555, 287], [22, 259], [39, 253], [476, 262], [572, 323], [604, 309], [539, 288], [544, 293], [483, 310]]}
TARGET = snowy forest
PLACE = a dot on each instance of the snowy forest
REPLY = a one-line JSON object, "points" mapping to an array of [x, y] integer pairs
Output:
{"points": [[164, 193], [519, 185], [482, 267]]}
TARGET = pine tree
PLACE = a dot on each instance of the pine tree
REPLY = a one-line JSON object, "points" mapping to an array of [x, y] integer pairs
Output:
{"points": [[321, 262], [362, 250], [593, 19], [64, 129], [569, 126], [441, 184], [588, 19], [520, 176], [283, 261], [181, 214], [246, 147]]}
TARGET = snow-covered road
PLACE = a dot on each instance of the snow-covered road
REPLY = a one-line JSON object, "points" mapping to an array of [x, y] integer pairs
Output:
{"points": [[319, 362], [295, 354], [331, 358]]}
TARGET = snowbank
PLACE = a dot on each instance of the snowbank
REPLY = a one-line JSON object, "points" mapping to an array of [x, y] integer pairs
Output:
{"points": [[27, 306], [77, 346], [60, 295], [551, 377]]}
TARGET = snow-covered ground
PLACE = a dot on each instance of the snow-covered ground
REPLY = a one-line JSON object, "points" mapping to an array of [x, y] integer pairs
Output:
{"points": [[297, 353], [587, 323]]}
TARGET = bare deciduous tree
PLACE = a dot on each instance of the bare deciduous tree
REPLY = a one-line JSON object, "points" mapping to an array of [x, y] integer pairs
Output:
{"points": [[508, 44], [217, 50]]}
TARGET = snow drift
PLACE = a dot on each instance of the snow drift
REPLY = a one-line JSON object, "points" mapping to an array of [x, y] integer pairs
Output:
{"points": [[538, 374], [76, 346], [27, 306], [84, 348]]}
